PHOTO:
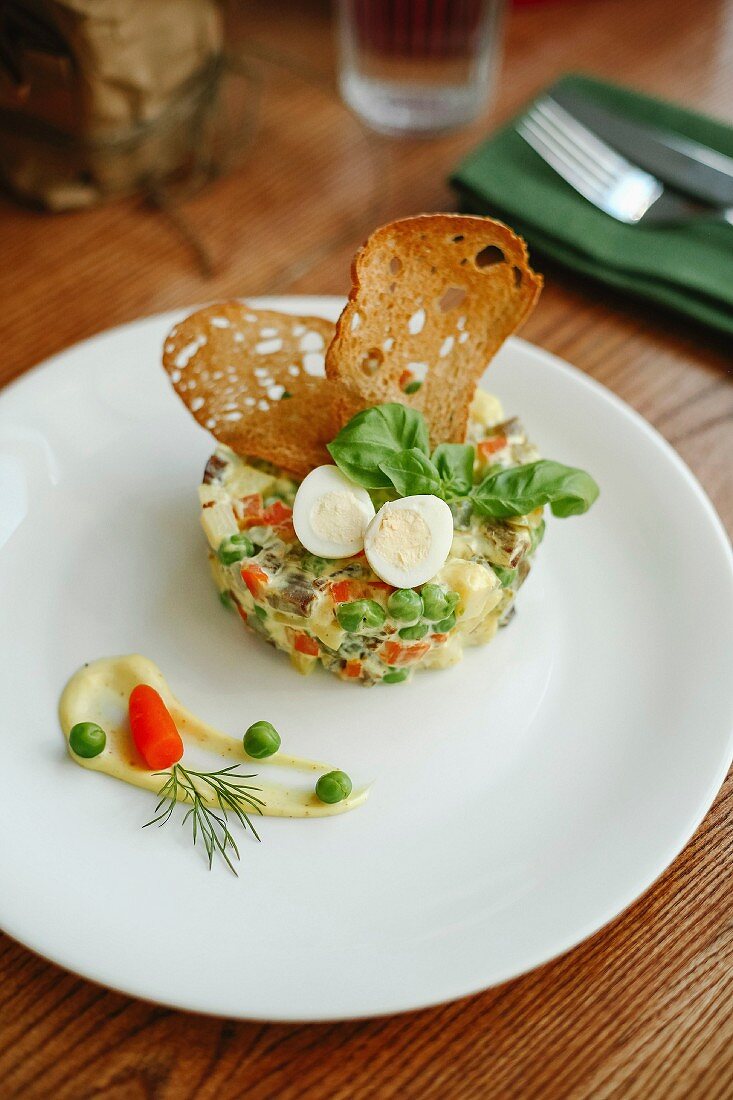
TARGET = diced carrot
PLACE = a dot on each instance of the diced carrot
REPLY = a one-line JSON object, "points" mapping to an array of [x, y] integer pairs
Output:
{"points": [[343, 591], [439, 638], [285, 530], [254, 578], [249, 509], [490, 446], [352, 669], [405, 378], [153, 729], [242, 613], [305, 644], [252, 504], [392, 653], [276, 513]]}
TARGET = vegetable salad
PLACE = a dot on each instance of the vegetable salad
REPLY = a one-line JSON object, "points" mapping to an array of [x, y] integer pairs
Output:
{"points": [[338, 612]]}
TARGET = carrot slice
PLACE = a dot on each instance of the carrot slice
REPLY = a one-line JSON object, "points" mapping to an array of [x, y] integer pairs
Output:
{"points": [[153, 729]]}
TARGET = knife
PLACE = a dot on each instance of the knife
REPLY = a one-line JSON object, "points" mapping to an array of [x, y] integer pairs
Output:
{"points": [[695, 169]]}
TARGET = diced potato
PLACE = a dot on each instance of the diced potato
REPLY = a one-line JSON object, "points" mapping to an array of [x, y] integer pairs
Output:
{"points": [[462, 546], [288, 618], [324, 624], [330, 633], [483, 631], [486, 409], [477, 586], [302, 662], [246, 480], [449, 653], [211, 492], [218, 522]]}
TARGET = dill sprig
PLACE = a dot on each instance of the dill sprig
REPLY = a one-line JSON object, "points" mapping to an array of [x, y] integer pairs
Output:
{"points": [[232, 796]]}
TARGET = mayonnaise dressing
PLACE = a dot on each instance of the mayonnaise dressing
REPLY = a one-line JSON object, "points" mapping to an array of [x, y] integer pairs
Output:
{"points": [[99, 692]]}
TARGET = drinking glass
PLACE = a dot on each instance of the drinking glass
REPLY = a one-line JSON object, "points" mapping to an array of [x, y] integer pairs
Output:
{"points": [[418, 66]]}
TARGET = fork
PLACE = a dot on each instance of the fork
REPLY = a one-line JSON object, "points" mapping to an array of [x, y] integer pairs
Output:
{"points": [[601, 175]]}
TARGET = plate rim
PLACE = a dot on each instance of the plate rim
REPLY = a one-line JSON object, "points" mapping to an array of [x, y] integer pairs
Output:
{"points": [[329, 303]]}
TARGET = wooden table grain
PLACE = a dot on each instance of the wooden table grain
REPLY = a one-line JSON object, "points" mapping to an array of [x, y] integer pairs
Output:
{"points": [[642, 1009]]}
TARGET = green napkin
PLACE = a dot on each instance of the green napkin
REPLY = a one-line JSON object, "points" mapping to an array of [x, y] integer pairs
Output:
{"points": [[686, 268]]}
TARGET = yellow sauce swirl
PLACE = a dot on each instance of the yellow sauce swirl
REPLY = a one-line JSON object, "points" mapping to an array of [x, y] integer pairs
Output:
{"points": [[99, 692]]}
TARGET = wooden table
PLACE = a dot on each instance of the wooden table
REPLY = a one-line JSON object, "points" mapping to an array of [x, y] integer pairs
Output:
{"points": [[643, 1009]]}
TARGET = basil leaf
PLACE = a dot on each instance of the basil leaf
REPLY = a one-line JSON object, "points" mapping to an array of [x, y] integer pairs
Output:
{"points": [[521, 489], [375, 435], [411, 472], [454, 462]]}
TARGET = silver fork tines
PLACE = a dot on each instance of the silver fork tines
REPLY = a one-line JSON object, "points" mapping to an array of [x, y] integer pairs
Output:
{"points": [[589, 165]]}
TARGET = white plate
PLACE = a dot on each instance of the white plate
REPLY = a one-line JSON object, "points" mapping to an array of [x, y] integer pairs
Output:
{"points": [[522, 799]]}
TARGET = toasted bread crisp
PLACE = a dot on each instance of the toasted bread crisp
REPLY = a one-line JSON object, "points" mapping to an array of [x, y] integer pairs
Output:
{"points": [[254, 378], [433, 299]]}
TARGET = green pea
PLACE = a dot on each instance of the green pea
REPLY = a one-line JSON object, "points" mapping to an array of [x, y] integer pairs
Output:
{"points": [[506, 577], [453, 599], [261, 740], [435, 602], [413, 387], [395, 676], [445, 625], [87, 739], [333, 787], [405, 605], [358, 615], [234, 548], [414, 633], [226, 599], [260, 612]]}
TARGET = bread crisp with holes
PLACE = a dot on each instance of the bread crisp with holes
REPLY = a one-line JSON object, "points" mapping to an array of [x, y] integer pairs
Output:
{"points": [[433, 299], [254, 379]]}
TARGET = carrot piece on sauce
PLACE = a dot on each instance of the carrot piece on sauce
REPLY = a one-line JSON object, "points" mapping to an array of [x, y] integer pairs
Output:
{"points": [[352, 669], [153, 729]]}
